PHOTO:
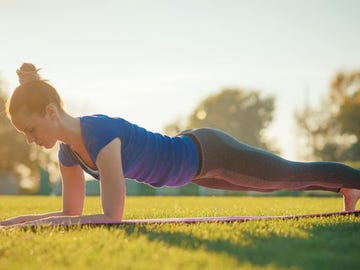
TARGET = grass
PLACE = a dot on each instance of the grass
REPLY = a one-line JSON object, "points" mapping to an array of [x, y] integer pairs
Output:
{"points": [[314, 243]]}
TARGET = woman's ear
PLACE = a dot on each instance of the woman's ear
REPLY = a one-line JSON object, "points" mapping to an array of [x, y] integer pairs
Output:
{"points": [[51, 111]]}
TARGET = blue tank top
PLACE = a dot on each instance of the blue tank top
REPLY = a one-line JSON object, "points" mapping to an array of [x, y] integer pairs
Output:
{"points": [[148, 157]]}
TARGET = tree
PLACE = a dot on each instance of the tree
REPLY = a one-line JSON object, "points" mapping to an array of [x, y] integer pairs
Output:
{"points": [[332, 131], [13, 148], [345, 91], [243, 114], [321, 130]]}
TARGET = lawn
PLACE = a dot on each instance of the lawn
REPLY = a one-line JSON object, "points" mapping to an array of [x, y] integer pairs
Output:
{"points": [[313, 243]]}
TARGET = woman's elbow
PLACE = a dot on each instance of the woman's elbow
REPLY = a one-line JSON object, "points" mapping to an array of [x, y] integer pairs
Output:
{"points": [[113, 216], [72, 213]]}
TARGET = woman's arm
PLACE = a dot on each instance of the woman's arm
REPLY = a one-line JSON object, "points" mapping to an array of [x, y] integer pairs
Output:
{"points": [[112, 190], [27, 218], [73, 198], [112, 187], [112, 182], [73, 190]]}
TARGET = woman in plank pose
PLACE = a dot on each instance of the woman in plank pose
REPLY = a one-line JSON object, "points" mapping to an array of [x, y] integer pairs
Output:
{"points": [[111, 149]]}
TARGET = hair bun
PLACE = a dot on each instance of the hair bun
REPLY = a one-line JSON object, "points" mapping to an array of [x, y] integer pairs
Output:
{"points": [[28, 73]]}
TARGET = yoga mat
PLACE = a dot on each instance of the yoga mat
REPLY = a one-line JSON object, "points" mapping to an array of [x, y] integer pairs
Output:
{"points": [[191, 220]]}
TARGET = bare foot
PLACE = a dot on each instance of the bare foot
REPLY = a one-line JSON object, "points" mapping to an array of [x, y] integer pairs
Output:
{"points": [[351, 197]]}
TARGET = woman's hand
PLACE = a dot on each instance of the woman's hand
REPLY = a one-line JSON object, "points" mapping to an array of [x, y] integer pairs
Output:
{"points": [[43, 221], [66, 220], [29, 218], [15, 220]]}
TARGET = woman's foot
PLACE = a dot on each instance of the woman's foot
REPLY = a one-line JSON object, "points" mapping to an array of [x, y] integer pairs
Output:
{"points": [[351, 197]]}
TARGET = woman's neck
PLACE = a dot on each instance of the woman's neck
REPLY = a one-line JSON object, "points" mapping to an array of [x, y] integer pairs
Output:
{"points": [[70, 131]]}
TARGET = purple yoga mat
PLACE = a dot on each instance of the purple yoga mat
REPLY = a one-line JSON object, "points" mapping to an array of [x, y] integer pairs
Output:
{"points": [[224, 219]]}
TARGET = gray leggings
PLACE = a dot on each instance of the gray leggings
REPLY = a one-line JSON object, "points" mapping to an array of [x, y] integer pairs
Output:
{"points": [[229, 164]]}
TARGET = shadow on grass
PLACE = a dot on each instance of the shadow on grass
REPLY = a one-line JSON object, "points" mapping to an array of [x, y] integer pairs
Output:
{"points": [[334, 246]]}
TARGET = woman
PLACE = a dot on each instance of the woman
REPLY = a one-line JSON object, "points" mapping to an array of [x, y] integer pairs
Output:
{"points": [[111, 148]]}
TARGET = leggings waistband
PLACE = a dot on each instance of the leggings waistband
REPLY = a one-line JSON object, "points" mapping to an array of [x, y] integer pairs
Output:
{"points": [[198, 147]]}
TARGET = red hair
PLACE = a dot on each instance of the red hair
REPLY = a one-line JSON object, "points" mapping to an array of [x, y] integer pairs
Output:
{"points": [[33, 94]]}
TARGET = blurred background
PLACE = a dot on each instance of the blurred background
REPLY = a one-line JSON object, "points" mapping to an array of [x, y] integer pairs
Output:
{"points": [[280, 75]]}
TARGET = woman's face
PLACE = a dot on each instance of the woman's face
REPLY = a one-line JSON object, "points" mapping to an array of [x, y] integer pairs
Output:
{"points": [[36, 128]]}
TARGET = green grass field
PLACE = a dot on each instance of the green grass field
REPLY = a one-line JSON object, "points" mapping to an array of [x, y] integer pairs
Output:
{"points": [[316, 243]]}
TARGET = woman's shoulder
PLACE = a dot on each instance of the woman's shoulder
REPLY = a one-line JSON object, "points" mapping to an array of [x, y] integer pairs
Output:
{"points": [[99, 125], [99, 129], [99, 122], [97, 118]]}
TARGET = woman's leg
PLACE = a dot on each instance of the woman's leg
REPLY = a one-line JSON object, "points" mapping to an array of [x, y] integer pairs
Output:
{"points": [[237, 166], [351, 197], [217, 183]]}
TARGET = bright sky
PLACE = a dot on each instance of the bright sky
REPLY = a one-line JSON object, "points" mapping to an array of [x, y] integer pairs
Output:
{"points": [[154, 61]]}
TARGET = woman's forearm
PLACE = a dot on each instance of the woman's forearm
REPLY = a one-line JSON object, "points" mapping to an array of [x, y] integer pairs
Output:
{"points": [[72, 220], [29, 218]]}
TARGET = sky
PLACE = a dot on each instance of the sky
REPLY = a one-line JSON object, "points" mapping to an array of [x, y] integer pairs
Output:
{"points": [[152, 62]]}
